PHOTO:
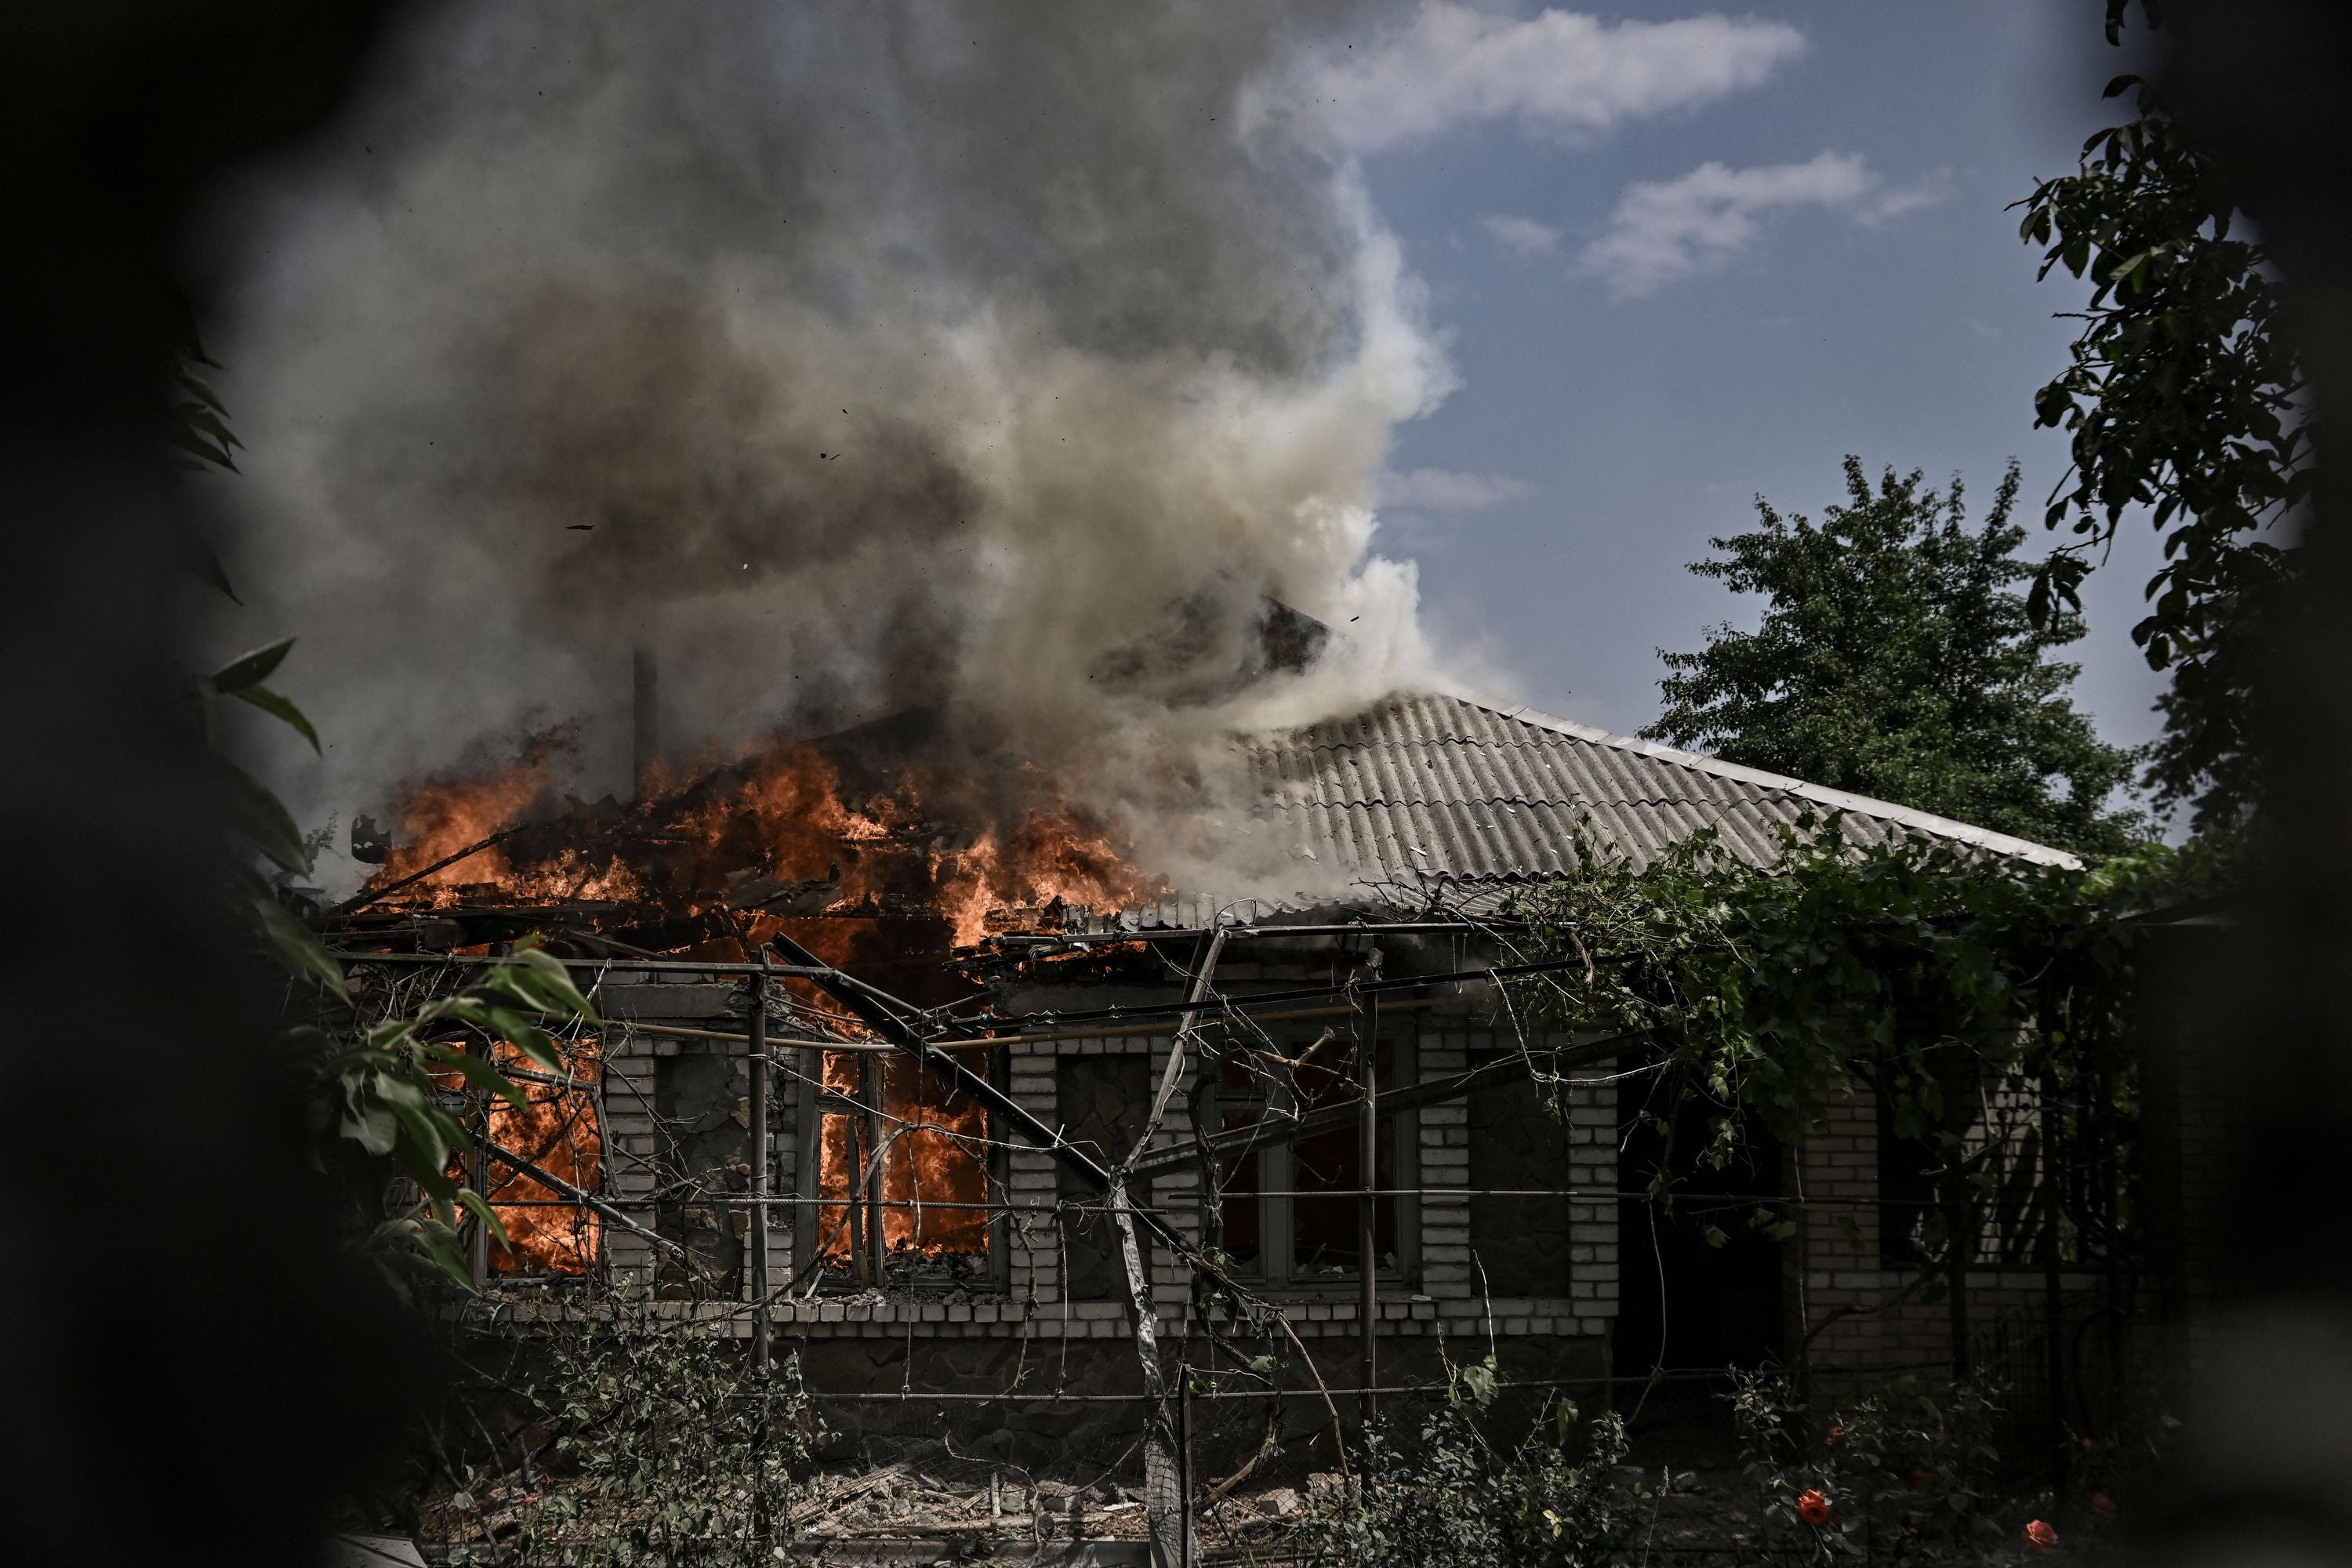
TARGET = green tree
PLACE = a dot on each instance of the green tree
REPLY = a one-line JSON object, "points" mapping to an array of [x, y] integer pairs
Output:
{"points": [[2183, 397], [1897, 659]]}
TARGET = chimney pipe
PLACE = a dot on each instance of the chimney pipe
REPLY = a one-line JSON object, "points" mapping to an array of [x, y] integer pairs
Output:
{"points": [[646, 714]]}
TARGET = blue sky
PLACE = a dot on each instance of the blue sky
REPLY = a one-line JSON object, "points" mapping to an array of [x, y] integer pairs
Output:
{"points": [[1644, 342]]}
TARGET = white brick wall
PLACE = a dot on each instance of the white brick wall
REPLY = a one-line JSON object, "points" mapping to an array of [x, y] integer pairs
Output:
{"points": [[1444, 1291]]}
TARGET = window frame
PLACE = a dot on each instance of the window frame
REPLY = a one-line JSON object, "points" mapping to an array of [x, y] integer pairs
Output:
{"points": [[1275, 1265], [1147, 1060], [809, 1110]]}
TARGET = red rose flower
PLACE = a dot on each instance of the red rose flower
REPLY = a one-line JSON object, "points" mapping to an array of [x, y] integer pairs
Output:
{"points": [[1815, 1509], [2039, 1536], [1837, 1434], [2088, 1445], [1918, 1477], [2103, 1505]]}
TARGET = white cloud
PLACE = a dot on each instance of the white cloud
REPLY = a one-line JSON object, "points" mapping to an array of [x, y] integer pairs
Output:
{"points": [[1521, 236], [1559, 71], [1929, 190], [1664, 231], [1443, 489]]}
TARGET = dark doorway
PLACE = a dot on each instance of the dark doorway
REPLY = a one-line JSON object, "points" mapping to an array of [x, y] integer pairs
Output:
{"points": [[1699, 1279]]}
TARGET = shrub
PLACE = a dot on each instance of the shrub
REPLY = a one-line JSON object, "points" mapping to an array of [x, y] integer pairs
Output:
{"points": [[1551, 1499], [653, 1442], [1900, 1475]]}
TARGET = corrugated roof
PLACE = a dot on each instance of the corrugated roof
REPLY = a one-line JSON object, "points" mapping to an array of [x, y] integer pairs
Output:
{"points": [[1428, 789], [1436, 796]]}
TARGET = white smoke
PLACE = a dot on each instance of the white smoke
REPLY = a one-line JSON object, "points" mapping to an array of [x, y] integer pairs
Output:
{"points": [[856, 357]]}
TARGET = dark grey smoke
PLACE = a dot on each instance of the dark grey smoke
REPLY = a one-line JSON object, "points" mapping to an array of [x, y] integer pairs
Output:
{"points": [[857, 357]]}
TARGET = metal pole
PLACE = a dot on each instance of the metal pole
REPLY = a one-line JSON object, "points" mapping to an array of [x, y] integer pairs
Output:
{"points": [[1185, 1551], [861, 1257], [477, 1244], [1368, 1212], [584, 1198], [872, 1079], [759, 1161]]}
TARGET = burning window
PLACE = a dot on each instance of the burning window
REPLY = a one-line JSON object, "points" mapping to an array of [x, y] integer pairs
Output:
{"points": [[914, 1157], [557, 1129]]}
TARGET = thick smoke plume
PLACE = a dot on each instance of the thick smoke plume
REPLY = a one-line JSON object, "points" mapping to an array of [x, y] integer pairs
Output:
{"points": [[857, 358]]}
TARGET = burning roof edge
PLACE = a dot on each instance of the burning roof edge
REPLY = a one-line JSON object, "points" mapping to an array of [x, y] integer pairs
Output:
{"points": [[1837, 799]]}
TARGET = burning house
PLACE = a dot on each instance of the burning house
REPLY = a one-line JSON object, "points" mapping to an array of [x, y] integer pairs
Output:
{"points": [[955, 392], [976, 1004]]}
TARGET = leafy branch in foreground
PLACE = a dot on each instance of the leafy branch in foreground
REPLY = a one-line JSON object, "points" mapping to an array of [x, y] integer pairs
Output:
{"points": [[386, 1089], [2184, 395], [199, 423], [196, 426], [382, 1088]]}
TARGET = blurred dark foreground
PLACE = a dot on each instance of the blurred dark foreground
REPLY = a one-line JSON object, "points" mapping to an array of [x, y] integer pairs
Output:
{"points": [[2267, 1470], [194, 1373]]}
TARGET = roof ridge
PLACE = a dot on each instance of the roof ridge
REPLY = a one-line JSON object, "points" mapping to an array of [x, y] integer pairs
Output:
{"points": [[1838, 799], [1350, 771], [1427, 797]]}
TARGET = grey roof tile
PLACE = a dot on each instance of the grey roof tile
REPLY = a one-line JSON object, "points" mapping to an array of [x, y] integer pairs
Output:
{"points": [[1423, 787], [1423, 794]]}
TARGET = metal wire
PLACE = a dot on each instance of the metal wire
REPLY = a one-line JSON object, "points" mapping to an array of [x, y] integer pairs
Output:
{"points": [[1576, 1195], [1673, 1375]]}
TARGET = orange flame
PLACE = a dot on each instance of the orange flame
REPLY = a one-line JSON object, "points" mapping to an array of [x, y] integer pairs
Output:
{"points": [[1054, 856], [933, 1152], [438, 817], [792, 833], [555, 1128], [1008, 852]]}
